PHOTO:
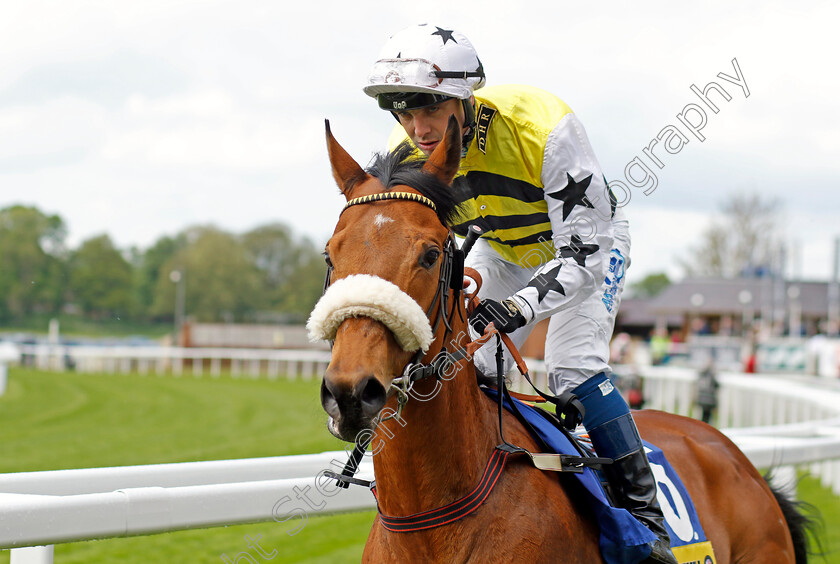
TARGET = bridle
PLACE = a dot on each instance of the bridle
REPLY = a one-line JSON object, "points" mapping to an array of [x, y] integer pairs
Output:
{"points": [[440, 310], [450, 278]]}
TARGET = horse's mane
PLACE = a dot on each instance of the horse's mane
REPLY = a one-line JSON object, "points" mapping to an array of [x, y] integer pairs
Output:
{"points": [[402, 167]]}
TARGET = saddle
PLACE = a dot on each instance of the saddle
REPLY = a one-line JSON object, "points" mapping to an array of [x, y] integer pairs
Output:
{"points": [[688, 540]]}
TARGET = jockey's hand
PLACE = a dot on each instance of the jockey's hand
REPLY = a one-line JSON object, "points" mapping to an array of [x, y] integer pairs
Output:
{"points": [[504, 315]]}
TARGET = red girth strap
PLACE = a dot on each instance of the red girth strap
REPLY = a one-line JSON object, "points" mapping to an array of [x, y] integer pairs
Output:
{"points": [[457, 509]]}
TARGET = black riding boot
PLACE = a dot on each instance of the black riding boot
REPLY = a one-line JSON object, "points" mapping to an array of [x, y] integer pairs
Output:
{"points": [[635, 490], [614, 435]]}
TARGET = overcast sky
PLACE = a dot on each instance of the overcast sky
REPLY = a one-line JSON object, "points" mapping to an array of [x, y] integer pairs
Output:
{"points": [[138, 119]]}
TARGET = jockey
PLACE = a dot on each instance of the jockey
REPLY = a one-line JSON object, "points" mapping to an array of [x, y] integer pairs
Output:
{"points": [[555, 245]]}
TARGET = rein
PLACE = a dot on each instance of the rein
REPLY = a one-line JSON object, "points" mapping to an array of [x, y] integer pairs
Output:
{"points": [[451, 278], [457, 509]]}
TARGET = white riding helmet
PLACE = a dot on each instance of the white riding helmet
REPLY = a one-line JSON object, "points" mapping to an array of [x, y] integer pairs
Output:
{"points": [[424, 65]]}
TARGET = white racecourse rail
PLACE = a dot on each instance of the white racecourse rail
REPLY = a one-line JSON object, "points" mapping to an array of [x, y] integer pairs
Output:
{"points": [[782, 422]]}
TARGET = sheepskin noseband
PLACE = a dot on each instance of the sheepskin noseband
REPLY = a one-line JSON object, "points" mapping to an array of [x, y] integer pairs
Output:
{"points": [[363, 295]]}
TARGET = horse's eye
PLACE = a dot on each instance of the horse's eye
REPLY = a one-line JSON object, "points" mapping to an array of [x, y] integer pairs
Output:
{"points": [[327, 259], [429, 258]]}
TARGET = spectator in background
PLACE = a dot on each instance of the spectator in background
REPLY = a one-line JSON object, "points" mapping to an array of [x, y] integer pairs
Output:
{"points": [[752, 350], [660, 345], [629, 382], [707, 386], [621, 349]]}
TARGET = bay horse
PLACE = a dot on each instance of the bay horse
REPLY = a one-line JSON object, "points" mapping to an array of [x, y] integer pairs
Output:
{"points": [[390, 247]]}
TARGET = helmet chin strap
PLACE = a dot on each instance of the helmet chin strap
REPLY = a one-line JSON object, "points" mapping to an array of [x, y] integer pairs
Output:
{"points": [[469, 122]]}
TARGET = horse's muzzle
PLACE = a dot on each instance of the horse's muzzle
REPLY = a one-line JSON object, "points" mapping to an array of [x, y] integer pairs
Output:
{"points": [[352, 408]]}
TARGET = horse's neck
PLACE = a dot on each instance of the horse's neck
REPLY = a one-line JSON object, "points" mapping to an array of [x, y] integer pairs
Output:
{"points": [[437, 450]]}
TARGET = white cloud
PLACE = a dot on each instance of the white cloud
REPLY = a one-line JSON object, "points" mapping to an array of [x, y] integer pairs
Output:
{"points": [[141, 118], [205, 104], [660, 238], [61, 130], [209, 129]]}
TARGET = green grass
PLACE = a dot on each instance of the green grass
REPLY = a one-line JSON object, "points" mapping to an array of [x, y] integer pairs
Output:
{"points": [[323, 540], [52, 421], [811, 491]]}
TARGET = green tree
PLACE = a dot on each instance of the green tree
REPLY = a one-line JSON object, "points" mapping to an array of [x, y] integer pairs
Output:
{"points": [[273, 249], [101, 279], [222, 283], [301, 290], [293, 269], [745, 237], [148, 268], [31, 266], [650, 286]]}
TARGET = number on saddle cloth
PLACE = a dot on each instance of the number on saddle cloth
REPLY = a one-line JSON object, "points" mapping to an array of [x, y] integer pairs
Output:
{"points": [[688, 539]]}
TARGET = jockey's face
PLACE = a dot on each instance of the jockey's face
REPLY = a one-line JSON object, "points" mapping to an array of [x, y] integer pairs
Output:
{"points": [[426, 126]]}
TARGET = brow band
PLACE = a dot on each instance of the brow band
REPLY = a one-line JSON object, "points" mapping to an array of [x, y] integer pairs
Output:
{"points": [[411, 196]]}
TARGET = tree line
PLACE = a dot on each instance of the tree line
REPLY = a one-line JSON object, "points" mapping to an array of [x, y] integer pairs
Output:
{"points": [[268, 272], [265, 273]]}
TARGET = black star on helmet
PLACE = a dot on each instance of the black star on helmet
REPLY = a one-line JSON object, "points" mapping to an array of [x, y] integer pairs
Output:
{"points": [[547, 282], [574, 194], [445, 34], [577, 250]]}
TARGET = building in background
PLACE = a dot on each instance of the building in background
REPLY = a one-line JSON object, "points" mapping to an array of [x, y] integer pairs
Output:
{"points": [[247, 336]]}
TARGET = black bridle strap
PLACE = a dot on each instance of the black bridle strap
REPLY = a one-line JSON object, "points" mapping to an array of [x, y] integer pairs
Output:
{"points": [[351, 467], [442, 290], [451, 265], [409, 196], [457, 509]]}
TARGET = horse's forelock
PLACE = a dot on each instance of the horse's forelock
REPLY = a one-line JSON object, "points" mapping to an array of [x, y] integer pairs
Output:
{"points": [[402, 167]]}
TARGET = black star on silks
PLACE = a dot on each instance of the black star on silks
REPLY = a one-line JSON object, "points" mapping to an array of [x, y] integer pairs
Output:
{"points": [[547, 282], [445, 34], [577, 250], [574, 194]]}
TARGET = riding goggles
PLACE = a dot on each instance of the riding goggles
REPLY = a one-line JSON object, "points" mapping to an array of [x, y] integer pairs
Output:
{"points": [[414, 72]]}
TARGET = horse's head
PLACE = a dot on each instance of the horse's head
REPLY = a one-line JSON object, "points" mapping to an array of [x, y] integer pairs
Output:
{"points": [[385, 258]]}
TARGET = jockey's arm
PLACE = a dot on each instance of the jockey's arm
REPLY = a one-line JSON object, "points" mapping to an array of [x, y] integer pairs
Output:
{"points": [[581, 213]]}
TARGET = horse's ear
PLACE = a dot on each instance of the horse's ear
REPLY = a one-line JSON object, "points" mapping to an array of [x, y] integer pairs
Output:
{"points": [[346, 171], [445, 159]]}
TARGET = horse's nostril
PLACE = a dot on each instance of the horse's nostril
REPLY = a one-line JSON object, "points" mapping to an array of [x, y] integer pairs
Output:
{"points": [[365, 399], [372, 396], [328, 401]]}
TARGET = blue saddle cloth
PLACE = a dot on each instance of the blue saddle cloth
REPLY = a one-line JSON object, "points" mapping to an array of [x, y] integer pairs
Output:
{"points": [[623, 540]]}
